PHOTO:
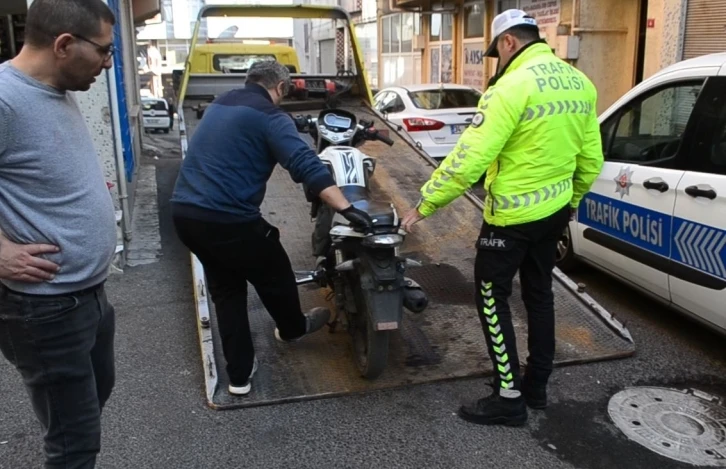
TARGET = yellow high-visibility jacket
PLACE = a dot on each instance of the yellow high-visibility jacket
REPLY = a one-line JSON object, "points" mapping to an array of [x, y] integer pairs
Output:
{"points": [[537, 137]]}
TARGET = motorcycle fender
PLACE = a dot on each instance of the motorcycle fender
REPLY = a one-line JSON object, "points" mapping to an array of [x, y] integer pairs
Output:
{"points": [[385, 309]]}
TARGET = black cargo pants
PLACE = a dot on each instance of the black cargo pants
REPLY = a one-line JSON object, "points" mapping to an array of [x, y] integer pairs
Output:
{"points": [[232, 255], [530, 248]]}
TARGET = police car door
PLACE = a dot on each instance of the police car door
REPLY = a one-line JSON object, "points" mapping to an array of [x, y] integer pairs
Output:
{"points": [[698, 273], [624, 223]]}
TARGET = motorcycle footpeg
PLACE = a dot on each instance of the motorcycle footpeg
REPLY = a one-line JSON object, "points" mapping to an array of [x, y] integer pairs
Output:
{"points": [[413, 263]]}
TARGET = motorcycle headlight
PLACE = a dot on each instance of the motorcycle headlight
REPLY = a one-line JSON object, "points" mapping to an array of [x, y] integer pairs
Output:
{"points": [[386, 240]]}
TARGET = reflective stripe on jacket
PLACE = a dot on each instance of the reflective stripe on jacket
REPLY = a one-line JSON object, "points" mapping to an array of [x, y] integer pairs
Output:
{"points": [[537, 137]]}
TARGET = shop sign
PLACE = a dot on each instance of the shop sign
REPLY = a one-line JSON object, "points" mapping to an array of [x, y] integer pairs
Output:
{"points": [[474, 65], [546, 12]]}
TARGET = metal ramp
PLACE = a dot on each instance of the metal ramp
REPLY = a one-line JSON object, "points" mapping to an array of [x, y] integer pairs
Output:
{"points": [[445, 342]]}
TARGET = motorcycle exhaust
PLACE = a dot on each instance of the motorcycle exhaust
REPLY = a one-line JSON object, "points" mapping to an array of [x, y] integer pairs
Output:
{"points": [[415, 300]]}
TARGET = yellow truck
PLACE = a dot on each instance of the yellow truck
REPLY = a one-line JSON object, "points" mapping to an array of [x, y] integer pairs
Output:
{"points": [[237, 57]]}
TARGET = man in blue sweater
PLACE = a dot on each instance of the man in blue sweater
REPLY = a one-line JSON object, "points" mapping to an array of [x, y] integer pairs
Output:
{"points": [[216, 208]]}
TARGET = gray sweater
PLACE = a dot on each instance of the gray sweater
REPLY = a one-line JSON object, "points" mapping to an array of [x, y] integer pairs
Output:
{"points": [[52, 188]]}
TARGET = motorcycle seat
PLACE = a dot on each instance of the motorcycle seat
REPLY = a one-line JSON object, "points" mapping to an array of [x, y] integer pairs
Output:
{"points": [[382, 213]]}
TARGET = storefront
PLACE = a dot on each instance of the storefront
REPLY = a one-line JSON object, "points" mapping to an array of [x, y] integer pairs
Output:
{"points": [[454, 34], [400, 62], [474, 45], [426, 42]]}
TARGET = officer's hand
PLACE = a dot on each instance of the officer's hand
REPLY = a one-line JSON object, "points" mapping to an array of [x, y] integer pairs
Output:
{"points": [[19, 262], [359, 219], [411, 218]]}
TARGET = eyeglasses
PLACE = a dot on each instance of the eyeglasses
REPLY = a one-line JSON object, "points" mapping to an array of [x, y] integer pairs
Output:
{"points": [[106, 51]]}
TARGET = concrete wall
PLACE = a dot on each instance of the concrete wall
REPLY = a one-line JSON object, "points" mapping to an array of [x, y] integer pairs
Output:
{"points": [[664, 42]]}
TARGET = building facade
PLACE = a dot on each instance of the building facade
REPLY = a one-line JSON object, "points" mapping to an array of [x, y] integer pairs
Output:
{"points": [[422, 41]]}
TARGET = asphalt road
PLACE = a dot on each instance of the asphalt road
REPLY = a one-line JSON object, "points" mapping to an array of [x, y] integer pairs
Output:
{"points": [[157, 417]]}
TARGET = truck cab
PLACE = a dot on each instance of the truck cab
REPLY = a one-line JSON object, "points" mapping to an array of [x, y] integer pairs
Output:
{"points": [[236, 56]]}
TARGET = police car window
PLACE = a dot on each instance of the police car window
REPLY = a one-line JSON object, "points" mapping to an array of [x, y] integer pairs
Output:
{"points": [[717, 158], [649, 129]]}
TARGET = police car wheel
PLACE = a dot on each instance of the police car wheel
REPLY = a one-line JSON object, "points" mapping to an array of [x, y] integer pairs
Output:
{"points": [[565, 254]]}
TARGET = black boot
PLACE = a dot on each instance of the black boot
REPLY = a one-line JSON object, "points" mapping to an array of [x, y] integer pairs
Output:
{"points": [[496, 410], [534, 392]]}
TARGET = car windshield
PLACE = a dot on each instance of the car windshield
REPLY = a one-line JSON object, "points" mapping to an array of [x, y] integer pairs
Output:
{"points": [[444, 99], [238, 62]]}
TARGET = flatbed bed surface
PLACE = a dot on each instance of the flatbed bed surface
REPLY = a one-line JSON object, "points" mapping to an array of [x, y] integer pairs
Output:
{"points": [[444, 342]]}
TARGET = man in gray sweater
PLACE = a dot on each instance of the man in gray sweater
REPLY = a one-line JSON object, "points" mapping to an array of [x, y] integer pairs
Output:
{"points": [[58, 228]]}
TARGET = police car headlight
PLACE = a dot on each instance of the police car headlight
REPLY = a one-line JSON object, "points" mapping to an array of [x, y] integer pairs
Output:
{"points": [[387, 240]]}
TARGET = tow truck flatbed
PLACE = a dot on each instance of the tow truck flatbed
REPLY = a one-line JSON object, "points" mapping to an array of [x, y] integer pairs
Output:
{"points": [[444, 342]]}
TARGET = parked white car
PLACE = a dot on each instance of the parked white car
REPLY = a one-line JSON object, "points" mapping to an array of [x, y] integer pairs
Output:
{"points": [[655, 217], [434, 116], [156, 114]]}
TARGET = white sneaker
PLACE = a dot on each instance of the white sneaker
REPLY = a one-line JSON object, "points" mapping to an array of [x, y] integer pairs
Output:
{"points": [[247, 387]]}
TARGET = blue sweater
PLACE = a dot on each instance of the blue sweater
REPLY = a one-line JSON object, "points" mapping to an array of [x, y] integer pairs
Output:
{"points": [[232, 154]]}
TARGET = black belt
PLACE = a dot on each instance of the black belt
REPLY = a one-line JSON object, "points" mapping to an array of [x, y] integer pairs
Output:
{"points": [[85, 291]]}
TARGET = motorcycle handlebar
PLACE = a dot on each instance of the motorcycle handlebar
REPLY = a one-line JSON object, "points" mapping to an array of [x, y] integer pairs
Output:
{"points": [[303, 124], [384, 139]]}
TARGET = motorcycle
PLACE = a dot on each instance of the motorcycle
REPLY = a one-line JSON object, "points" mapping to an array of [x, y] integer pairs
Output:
{"points": [[364, 270]]}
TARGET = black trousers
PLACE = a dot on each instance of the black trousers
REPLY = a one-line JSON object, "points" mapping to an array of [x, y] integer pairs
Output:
{"points": [[530, 248], [63, 347], [233, 254]]}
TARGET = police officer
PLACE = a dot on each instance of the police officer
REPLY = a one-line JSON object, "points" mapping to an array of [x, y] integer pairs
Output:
{"points": [[536, 135], [216, 202]]}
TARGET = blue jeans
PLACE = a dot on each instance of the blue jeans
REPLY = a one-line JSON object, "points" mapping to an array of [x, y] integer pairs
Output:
{"points": [[62, 346]]}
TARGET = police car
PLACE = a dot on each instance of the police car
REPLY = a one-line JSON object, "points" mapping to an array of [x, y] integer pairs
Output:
{"points": [[656, 216]]}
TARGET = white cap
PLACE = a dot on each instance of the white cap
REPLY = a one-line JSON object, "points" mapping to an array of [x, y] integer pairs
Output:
{"points": [[505, 21]]}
